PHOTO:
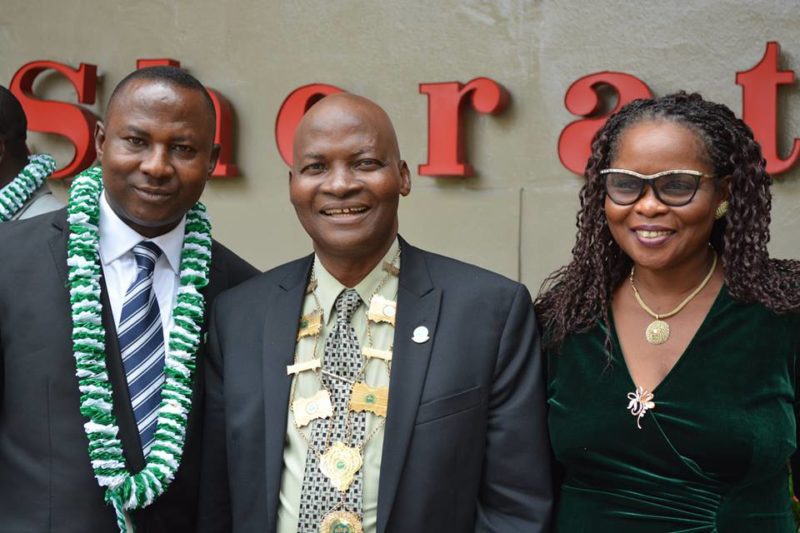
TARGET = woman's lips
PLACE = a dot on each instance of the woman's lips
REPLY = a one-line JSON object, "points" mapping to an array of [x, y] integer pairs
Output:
{"points": [[653, 236]]}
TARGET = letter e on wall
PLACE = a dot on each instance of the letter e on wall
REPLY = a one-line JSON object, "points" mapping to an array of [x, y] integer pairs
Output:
{"points": [[292, 110]]}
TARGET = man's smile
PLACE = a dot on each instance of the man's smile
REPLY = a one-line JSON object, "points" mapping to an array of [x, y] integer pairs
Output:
{"points": [[352, 211]]}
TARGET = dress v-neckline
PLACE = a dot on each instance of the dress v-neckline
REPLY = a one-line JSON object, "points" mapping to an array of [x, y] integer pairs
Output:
{"points": [[617, 345]]}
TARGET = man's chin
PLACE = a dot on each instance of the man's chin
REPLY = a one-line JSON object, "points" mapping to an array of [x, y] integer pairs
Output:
{"points": [[352, 247], [152, 226]]}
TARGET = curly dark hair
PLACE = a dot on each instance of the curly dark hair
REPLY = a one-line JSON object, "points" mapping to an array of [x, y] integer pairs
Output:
{"points": [[575, 297]]}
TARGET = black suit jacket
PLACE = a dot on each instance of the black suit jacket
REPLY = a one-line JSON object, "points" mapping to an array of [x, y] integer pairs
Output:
{"points": [[46, 479], [465, 446]]}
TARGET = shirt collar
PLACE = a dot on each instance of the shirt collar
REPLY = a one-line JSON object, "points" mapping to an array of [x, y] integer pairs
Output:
{"points": [[328, 287], [117, 238]]}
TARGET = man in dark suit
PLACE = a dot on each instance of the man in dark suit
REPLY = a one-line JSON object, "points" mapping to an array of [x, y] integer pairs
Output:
{"points": [[157, 151], [299, 435], [26, 174]]}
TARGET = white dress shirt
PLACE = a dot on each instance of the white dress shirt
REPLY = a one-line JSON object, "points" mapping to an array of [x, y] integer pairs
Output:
{"points": [[117, 240]]}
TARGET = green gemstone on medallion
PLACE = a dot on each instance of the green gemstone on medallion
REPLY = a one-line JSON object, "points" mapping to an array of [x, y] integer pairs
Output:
{"points": [[342, 527]]}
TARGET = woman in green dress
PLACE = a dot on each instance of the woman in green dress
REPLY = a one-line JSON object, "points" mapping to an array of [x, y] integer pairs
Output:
{"points": [[673, 338]]}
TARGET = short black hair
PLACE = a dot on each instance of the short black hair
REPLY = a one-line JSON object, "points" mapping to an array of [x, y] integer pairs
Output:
{"points": [[13, 123], [167, 74]]}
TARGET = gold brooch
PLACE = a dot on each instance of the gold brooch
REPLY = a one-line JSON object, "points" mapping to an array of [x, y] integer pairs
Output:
{"points": [[640, 402]]}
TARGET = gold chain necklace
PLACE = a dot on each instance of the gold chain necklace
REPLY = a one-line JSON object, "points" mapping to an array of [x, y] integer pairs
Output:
{"points": [[338, 461], [657, 331]]}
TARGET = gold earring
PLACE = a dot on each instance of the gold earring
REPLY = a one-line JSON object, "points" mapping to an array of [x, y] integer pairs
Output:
{"points": [[722, 210]]}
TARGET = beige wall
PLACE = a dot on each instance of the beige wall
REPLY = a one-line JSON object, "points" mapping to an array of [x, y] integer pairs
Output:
{"points": [[517, 215]]}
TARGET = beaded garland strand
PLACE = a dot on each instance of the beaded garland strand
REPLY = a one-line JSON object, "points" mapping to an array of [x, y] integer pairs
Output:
{"points": [[124, 490], [19, 190]]}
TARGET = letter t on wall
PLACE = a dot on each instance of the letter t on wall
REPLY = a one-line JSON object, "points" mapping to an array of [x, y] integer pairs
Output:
{"points": [[445, 104], [760, 106]]}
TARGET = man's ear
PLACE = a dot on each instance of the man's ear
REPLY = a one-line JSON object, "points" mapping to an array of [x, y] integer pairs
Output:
{"points": [[99, 138], [405, 179], [214, 158]]}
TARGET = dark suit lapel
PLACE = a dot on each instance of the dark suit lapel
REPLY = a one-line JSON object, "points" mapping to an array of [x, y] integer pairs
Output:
{"points": [[58, 245], [280, 331], [417, 305]]}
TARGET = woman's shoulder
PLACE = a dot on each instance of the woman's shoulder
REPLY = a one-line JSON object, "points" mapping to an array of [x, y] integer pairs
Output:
{"points": [[749, 317]]}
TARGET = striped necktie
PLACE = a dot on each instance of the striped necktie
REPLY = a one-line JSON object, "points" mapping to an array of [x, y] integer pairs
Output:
{"points": [[141, 342]]}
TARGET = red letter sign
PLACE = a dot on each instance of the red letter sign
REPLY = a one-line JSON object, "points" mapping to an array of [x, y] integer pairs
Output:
{"points": [[292, 110], [574, 144], [445, 142], [165, 62], [760, 106], [223, 136], [62, 118]]}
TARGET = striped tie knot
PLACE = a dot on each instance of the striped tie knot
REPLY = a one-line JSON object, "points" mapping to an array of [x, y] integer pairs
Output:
{"points": [[346, 304], [146, 254]]}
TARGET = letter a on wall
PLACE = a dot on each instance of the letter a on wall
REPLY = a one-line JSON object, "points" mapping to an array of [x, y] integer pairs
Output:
{"points": [[582, 99]]}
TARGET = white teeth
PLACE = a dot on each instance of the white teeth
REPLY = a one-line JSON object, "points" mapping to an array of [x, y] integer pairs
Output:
{"points": [[647, 234], [344, 211]]}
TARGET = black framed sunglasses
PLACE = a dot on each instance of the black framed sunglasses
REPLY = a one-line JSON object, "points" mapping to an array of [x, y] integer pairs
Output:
{"points": [[674, 188]]}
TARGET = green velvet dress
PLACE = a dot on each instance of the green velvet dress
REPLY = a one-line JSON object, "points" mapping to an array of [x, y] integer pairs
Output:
{"points": [[711, 456]]}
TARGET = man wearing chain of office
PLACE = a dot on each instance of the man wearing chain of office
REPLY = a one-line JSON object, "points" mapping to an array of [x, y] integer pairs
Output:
{"points": [[371, 386]]}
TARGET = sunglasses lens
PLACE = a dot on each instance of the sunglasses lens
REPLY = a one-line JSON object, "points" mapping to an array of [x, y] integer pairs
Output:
{"points": [[676, 189], [622, 188]]}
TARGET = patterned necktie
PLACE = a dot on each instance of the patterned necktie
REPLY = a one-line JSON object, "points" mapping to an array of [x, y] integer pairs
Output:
{"points": [[343, 359], [141, 342]]}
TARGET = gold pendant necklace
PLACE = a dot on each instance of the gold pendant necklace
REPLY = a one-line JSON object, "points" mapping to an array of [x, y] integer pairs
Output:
{"points": [[657, 331], [340, 462]]}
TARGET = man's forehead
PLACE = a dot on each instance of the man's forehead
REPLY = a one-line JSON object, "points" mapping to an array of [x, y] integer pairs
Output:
{"points": [[340, 139], [156, 95], [347, 123]]}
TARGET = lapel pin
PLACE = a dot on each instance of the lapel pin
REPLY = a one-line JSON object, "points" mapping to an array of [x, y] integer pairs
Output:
{"points": [[420, 335]]}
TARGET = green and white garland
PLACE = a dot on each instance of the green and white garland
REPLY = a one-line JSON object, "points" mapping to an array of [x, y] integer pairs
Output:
{"points": [[14, 195], [124, 490]]}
